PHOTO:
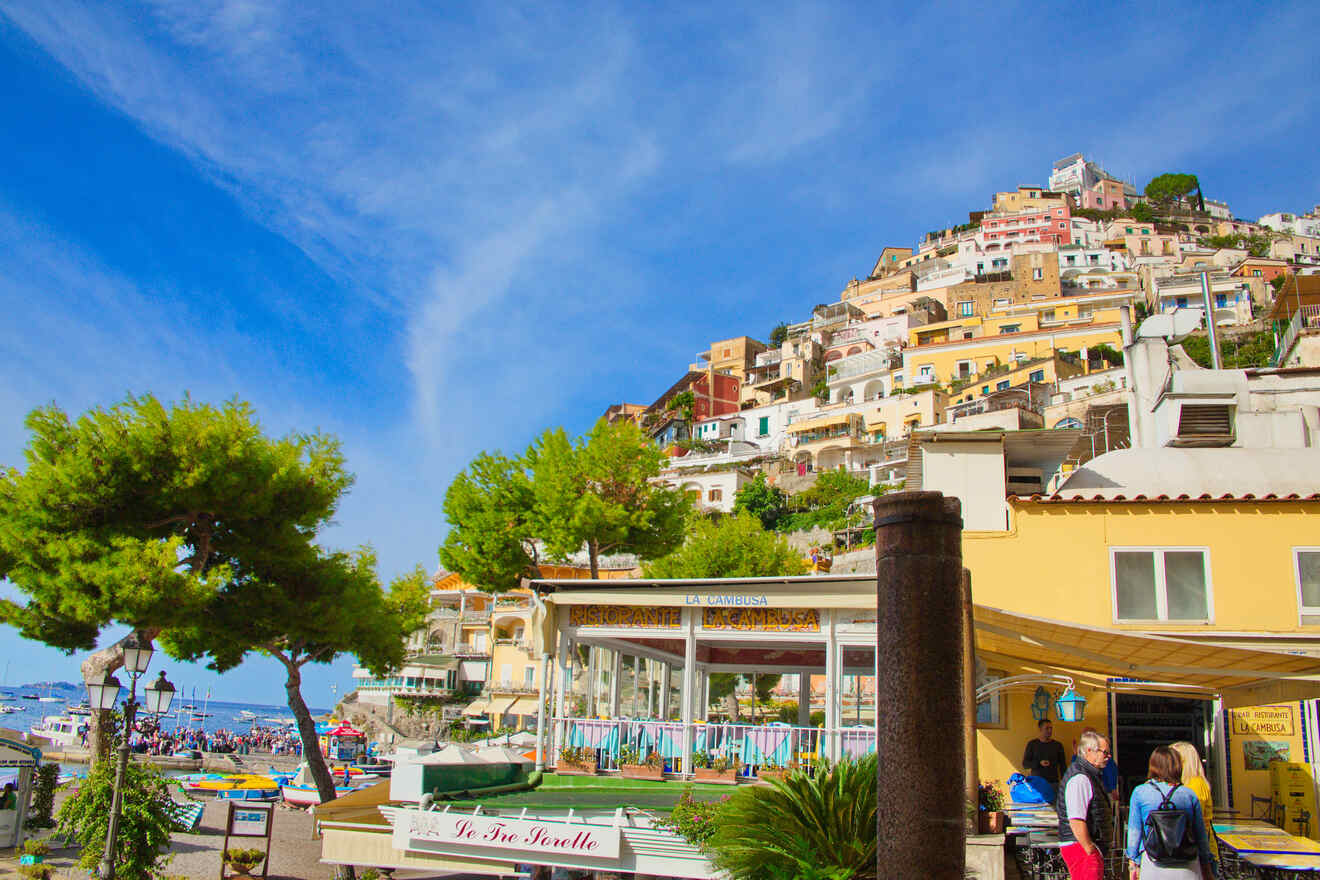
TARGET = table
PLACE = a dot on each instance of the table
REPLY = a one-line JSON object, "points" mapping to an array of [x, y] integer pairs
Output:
{"points": [[1269, 850]]}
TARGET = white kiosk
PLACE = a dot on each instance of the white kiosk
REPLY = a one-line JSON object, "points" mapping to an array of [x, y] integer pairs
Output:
{"points": [[16, 790]]}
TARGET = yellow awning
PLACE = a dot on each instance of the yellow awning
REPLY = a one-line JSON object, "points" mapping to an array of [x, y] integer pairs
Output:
{"points": [[499, 707], [1115, 653], [477, 707], [877, 424], [821, 422], [523, 706]]}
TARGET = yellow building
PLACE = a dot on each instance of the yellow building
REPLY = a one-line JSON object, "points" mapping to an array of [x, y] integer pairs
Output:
{"points": [[967, 350], [734, 356], [1215, 549], [1028, 198]]}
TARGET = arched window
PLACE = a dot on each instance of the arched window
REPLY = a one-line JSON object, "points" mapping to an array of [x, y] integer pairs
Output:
{"points": [[1069, 422]]}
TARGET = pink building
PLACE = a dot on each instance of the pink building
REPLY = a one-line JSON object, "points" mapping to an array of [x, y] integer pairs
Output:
{"points": [[1048, 226]]}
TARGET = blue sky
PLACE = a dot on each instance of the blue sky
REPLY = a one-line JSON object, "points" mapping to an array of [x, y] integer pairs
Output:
{"points": [[438, 230]]}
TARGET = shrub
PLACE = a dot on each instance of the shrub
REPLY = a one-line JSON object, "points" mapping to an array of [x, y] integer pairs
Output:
{"points": [[821, 826], [43, 797], [144, 823], [693, 820]]}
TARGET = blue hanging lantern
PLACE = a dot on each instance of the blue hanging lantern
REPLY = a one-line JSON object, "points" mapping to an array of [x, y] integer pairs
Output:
{"points": [[1040, 704], [1070, 706]]}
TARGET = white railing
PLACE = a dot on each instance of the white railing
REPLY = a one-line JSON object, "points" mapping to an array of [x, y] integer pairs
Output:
{"points": [[1305, 318], [748, 749]]}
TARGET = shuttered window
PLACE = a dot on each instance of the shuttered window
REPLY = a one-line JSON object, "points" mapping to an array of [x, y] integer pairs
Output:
{"points": [[1205, 423]]}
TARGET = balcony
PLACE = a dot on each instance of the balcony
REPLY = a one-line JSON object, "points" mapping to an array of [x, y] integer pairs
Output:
{"points": [[520, 644], [511, 687], [769, 358], [470, 652], [445, 612], [476, 616]]}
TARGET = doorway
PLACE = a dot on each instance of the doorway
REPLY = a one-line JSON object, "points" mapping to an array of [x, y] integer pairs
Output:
{"points": [[1140, 723]]}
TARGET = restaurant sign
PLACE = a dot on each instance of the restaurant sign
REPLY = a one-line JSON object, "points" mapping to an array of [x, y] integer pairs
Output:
{"points": [[1262, 720], [761, 619], [460, 833], [625, 616]]}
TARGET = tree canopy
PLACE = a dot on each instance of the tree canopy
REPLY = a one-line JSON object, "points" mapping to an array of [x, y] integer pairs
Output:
{"points": [[489, 508], [186, 522], [595, 493], [767, 503], [731, 546], [140, 514], [1168, 189]]}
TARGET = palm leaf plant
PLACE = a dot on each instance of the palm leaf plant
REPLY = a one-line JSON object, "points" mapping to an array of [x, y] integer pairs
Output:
{"points": [[802, 826]]}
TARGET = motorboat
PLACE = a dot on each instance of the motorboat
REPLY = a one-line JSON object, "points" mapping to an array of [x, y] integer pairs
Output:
{"points": [[247, 715], [81, 709], [59, 729], [301, 791], [233, 786], [8, 710]]}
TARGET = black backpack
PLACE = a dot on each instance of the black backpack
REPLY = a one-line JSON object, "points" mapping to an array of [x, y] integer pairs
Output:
{"points": [[1169, 837]]}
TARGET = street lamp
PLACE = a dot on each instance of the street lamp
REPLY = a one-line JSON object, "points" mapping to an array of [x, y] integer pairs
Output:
{"points": [[101, 694]]}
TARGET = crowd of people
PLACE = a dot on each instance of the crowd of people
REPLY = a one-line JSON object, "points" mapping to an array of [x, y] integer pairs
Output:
{"points": [[1169, 832], [275, 741]]}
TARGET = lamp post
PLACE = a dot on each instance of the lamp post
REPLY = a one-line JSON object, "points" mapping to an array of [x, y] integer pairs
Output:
{"points": [[101, 694]]}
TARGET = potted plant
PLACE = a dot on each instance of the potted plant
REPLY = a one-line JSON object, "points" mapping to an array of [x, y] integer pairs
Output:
{"points": [[713, 768], [634, 766], [772, 769], [990, 815], [34, 852], [577, 760], [243, 861]]}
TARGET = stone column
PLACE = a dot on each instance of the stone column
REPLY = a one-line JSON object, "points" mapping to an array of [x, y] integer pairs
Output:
{"points": [[666, 674], [919, 725]]}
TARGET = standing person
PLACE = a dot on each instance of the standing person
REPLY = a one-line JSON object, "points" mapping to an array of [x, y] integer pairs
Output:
{"points": [[1044, 755], [1085, 822], [1193, 777], [1164, 790]]}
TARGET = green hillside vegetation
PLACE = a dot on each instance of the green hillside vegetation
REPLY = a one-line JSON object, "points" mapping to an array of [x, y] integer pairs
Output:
{"points": [[1250, 350]]}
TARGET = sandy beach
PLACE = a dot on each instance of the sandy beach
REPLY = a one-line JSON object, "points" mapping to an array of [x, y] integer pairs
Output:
{"points": [[294, 855]]}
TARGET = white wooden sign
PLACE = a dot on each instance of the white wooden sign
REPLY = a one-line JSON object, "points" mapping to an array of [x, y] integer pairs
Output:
{"points": [[460, 832]]}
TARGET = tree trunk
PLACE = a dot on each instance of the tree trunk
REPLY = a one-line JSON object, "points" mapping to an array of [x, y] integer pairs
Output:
{"points": [[593, 553], [316, 765], [108, 659]]}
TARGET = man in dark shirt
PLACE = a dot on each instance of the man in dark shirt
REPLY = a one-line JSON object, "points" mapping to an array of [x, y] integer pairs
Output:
{"points": [[1044, 756]]}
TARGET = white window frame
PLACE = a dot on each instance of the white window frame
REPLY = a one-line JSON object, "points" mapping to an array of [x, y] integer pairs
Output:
{"points": [[1303, 610], [1161, 586]]}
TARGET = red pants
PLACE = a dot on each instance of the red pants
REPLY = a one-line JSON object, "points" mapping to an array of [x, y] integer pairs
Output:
{"points": [[1082, 866]]}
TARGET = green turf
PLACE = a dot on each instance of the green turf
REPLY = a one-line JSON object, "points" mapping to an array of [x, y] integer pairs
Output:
{"points": [[601, 793]]}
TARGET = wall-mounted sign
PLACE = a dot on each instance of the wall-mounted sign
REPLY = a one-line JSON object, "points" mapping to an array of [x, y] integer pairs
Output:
{"points": [[733, 600], [1264, 721], [625, 616], [462, 832], [761, 619]]}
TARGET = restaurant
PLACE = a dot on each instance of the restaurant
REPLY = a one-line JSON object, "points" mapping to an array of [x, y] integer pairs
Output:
{"points": [[627, 672]]}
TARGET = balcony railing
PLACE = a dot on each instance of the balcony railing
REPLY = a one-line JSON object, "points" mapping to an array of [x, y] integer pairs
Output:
{"points": [[476, 616], [471, 651], [749, 749], [769, 358], [1305, 318], [512, 687]]}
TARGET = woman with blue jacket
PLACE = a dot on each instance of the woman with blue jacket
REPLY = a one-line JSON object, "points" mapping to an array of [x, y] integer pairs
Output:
{"points": [[1165, 772]]}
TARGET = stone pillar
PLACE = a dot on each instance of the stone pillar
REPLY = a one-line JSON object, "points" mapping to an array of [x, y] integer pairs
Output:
{"points": [[666, 673], [921, 832]]}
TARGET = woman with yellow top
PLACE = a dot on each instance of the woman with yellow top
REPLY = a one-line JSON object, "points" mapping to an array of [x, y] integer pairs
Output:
{"points": [[1193, 778]]}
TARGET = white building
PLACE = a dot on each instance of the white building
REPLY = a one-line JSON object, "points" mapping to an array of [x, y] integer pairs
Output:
{"points": [[1298, 224]]}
